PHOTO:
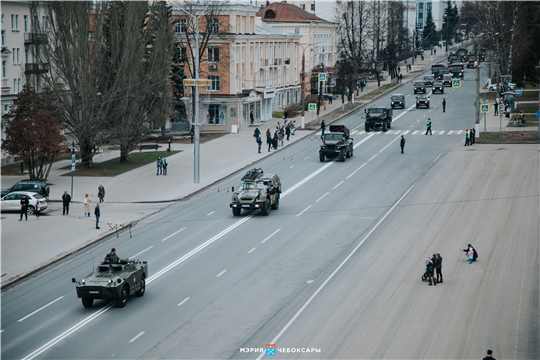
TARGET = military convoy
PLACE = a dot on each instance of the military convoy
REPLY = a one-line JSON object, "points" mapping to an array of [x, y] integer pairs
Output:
{"points": [[336, 143], [378, 117], [258, 191], [113, 282]]}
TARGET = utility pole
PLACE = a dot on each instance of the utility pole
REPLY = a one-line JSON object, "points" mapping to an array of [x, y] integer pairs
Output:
{"points": [[303, 74], [477, 117]]}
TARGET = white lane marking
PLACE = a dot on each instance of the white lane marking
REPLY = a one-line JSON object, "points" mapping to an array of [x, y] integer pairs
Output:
{"points": [[362, 132], [290, 167], [336, 270], [306, 157], [303, 211], [269, 236], [173, 234], [390, 143], [373, 157], [354, 172], [342, 181], [322, 196], [221, 273], [38, 310], [210, 213], [250, 251], [364, 164], [183, 301], [434, 161], [442, 132], [141, 252], [363, 140], [136, 337]]}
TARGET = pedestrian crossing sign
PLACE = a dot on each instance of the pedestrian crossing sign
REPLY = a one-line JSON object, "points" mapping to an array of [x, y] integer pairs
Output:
{"points": [[456, 83], [322, 76], [484, 108], [312, 107]]}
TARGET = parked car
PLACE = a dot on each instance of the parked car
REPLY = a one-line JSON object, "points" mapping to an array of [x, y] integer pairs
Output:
{"points": [[12, 201], [34, 186], [492, 87]]}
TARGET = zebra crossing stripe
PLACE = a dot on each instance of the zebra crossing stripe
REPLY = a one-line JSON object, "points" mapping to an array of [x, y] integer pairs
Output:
{"points": [[405, 132], [459, 132], [450, 132], [442, 132], [415, 132]]}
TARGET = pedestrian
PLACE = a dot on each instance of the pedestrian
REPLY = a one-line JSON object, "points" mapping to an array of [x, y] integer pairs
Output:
{"points": [[159, 163], [66, 199], [97, 212], [434, 261], [489, 356], [400, 77], [428, 127], [269, 139], [434, 51], [164, 165], [402, 143], [251, 118], [471, 253], [275, 140], [429, 270], [438, 268], [259, 143], [443, 105], [281, 135], [101, 192], [330, 98], [24, 207], [496, 108], [472, 134], [286, 114], [37, 209], [288, 131], [398, 69], [467, 137], [323, 127], [86, 204]]}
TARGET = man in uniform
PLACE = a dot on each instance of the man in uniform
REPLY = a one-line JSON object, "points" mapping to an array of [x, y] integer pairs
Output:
{"points": [[428, 126], [112, 258], [443, 105], [438, 268], [24, 207], [402, 143]]}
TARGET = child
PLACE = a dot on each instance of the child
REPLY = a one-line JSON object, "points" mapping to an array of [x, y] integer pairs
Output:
{"points": [[38, 209]]}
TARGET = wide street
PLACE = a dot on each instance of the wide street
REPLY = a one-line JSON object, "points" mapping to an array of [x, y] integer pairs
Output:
{"points": [[336, 269]]}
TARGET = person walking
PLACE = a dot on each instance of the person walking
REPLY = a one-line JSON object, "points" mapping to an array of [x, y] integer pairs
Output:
{"points": [[259, 143], [86, 204], [24, 207], [489, 356], [97, 213], [496, 108], [101, 192], [66, 199], [467, 137], [37, 209], [164, 165], [443, 105], [428, 127], [323, 127], [472, 134], [438, 268], [269, 139], [251, 118], [402, 143], [159, 163]]}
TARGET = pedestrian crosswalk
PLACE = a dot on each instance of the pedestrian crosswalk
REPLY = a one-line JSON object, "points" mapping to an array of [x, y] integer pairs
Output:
{"points": [[409, 132]]}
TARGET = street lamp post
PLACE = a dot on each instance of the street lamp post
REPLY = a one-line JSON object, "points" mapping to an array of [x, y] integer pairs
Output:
{"points": [[303, 75]]}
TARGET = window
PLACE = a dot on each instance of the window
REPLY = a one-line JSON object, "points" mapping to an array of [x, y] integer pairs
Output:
{"points": [[242, 22], [16, 56], [15, 22], [25, 21], [215, 83], [214, 25], [303, 6], [16, 86], [26, 56], [213, 116], [237, 25], [213, 54], [180, 26], [4, 69], [313, 7]]}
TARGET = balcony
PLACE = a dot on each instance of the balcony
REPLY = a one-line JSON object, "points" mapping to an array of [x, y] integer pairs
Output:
{"points": [[35, 38], [36, 68], [287, 61]]}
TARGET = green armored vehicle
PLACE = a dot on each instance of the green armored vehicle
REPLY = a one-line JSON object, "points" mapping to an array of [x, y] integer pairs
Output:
{"points": [[379, 118], [113, 281], [336, 143], [257, 191]]}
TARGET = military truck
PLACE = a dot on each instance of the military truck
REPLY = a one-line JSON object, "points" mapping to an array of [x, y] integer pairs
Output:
{"points": [[258, 191], [336, 143], [378, 117], [114, 282]]}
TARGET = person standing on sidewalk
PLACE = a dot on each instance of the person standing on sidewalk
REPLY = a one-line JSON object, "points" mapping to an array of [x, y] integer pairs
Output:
{"points": [[24, 207], [472, 140], [86, 204], [288, 131], [97, 213], [443, 105], [164, 165], [428, 127], [38, 209], [159, 163], [66, 199], [496, 108], [269, 139], [101, 192], [467, 137], [402, 143]]}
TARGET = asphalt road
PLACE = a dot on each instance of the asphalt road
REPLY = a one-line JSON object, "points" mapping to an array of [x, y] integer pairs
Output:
{"points": [[336, 268]]}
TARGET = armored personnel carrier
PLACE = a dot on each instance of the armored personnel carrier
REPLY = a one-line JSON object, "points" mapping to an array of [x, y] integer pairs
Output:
{"points": [[113, 281], [257, 191], [378, 117], [336, 143]]}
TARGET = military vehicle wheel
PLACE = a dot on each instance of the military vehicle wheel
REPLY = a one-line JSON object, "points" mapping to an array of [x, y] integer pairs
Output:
{"points": [[384, 126], [348, 154], [122, 300], [236, 211], [142, 290], [275, 205], [87, 302], [265, 210], [342, 155], [352, 152], [321, 157], [367, 128]]}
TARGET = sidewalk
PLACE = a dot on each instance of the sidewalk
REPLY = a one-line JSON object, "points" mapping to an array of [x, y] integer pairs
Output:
{"points": [[133, 196]]}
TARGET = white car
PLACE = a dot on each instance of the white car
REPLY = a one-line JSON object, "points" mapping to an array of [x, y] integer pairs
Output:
{"points": [[492, 87], [12, 202], [511, 86]]}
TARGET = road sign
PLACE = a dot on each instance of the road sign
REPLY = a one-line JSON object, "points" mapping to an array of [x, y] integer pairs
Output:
{"points": [[484, 108], [518, 92], [456, 83], [322, 76], [197, 82], [538, 114], [73, 162], [312, 107]]}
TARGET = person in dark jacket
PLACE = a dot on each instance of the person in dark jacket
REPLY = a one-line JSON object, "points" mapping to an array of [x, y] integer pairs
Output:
{"points": [[24, 207], [275, 140], [111, 258], [66, 199], [475, 254], [323, 127], [101, 193], [438, 268], [402, 143], [97, 213], [269, 139], [288, 131], [429, 271]]}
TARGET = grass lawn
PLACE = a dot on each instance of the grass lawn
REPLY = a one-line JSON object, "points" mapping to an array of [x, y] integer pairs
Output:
{"points": [[115, 167], [509, 137], [15, 168]]}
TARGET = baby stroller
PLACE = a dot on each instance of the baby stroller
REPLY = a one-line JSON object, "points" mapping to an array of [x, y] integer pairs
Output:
{"points": [[430, 270]]}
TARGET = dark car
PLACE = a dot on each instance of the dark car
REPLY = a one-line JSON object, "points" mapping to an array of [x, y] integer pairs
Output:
{"points": [[397, 100], [438, 87], [422, 100], [35, 186], [447, 80], [441, 73], [428, 79], [419, 87]]}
